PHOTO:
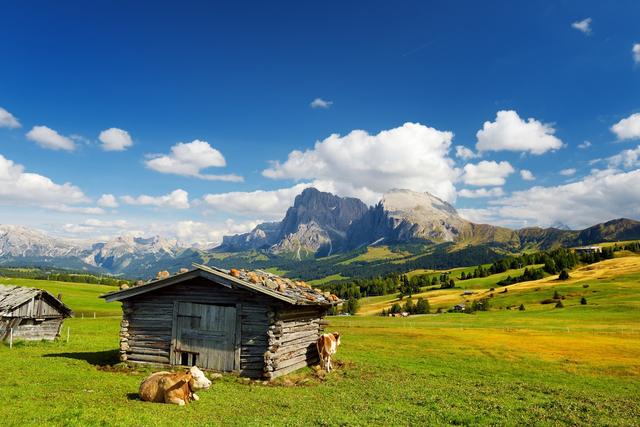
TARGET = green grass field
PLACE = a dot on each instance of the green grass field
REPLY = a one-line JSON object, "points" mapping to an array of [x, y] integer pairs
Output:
{"points": [[579, 365]]}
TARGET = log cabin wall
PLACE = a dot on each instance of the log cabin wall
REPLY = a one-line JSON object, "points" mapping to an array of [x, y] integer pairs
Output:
{"points": [[293, 332], [36, 329]]}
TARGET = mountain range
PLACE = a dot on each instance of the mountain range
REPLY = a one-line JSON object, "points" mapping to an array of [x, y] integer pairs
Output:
{"points": [[321, 233]]}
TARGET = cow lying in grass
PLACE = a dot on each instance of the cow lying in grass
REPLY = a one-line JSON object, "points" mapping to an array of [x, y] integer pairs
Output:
{"points": [[174, 387], [327, 345]]}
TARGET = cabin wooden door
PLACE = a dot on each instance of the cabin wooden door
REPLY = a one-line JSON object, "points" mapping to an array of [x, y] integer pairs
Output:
{"points": [[204, 335]]}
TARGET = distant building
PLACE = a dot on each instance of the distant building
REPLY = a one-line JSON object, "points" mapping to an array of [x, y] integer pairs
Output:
{"points": [[30, 314], [588, 249], [459, 308]]}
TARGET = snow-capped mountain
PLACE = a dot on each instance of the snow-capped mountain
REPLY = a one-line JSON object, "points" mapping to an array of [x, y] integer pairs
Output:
{"points": [[25, 246], [18, 241]]}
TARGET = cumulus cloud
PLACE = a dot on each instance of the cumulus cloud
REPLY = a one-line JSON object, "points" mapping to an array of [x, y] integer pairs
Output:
{"points": [[626, 158], [86, 210], [481, 192], [568, 172], [486, 173], [585, 144], [114, 139], [8, 120], [177, 199], [583, 26], [511, 133], [627, 128], [320, 103], [20, 187], [98, 223], [597, 198], [188, 159], [410, 156], [209, 234], [50, 139], [464, 153], [268, 204], [527, 175], [636, 53], [108, 201]]}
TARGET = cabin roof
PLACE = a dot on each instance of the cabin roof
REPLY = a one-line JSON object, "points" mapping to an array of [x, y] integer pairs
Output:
{"points": [[12, 296], [287, 290]]}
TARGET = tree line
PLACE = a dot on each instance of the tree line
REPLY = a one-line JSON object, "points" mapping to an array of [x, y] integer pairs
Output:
{"points": [[63, 276]]}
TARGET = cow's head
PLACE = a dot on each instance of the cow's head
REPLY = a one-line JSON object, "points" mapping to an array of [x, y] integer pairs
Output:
{"points": [[198, 380], [336, 335]]}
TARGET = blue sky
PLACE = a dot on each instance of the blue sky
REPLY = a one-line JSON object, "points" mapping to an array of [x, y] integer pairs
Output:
{"points": [[241, 79]]}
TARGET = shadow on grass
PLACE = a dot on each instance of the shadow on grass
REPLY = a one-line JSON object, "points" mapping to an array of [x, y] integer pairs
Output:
{"points": [[133, 396], [96, 358]]}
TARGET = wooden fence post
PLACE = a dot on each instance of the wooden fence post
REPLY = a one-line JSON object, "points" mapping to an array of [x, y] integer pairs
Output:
{"points": [[10, 338]]}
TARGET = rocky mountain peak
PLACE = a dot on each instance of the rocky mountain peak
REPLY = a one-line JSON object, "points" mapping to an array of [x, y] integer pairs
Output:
{"points": [[328, 211], [419, 203]]}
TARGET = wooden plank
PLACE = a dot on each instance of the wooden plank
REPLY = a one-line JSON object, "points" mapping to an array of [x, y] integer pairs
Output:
{"points": [[173, 354], [147, 358], [238, 340], [280, 372]]}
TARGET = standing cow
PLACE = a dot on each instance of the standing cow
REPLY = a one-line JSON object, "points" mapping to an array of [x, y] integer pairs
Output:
{"points": [[177, 388], [327, 345]]}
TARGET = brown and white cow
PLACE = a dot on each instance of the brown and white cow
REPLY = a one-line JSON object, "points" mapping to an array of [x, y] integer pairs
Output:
{"points": [[327, 345], [174, 387]]}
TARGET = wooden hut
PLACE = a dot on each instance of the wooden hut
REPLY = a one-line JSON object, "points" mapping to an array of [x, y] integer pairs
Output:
{"points": [[30, 314], [254, 323]]}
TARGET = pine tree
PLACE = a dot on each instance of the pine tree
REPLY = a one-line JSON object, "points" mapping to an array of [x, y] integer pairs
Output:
{"points": [[563, 275], [583, 301], [521, 308], [559, 304]]}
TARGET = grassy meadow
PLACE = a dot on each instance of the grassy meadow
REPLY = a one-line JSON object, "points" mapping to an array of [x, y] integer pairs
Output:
{"points": [[579, 365]]}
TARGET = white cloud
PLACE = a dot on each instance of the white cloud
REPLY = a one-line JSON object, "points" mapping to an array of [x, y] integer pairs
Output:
{"points": [[464, 153], [585, 144], [261, 203], [481, 192], [209, 234], [411, 156], [98, 223], [509, 132], [628, 128], [50, 139], [320, 103], [178, 199], [486, 173], [115, 139], [627, 159], [188, 159], [583, 26], [527, 175], [568, 172], [636, 53], [20, 187], [8, 120], [85, 210], [108, 201], [599, 197]]}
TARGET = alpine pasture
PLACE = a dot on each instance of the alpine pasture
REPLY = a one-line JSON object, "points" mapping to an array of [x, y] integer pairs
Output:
{"points": [[576, 365]]}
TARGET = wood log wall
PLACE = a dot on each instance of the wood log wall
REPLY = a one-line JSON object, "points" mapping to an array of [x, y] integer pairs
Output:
{"points": [[292, 336]]}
